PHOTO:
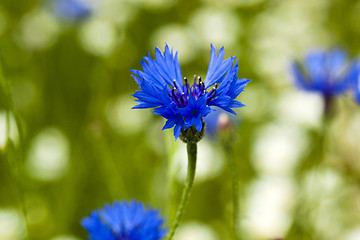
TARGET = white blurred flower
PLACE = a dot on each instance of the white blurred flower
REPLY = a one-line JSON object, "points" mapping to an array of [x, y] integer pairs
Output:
{"points": [[300, 108], [268, 207], [125, 120], [213, 25], [353, 234], [49, 154], [277, 149], [321, 184], [179, 37], [12, 225], [119, 12], [275, 37], [99, 37], [322, 189], [195, 230], [38, 30]]}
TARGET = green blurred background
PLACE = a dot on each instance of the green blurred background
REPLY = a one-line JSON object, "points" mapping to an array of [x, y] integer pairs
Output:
{"points": [[69, 141]]}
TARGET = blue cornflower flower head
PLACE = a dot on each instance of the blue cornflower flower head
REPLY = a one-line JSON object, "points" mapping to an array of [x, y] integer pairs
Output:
{"points": [[183, 105], [74, 10], [329, 73], [124, 221]]}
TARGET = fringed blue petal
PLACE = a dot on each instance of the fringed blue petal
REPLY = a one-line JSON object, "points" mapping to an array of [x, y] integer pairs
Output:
{"points": [[217, 67]]}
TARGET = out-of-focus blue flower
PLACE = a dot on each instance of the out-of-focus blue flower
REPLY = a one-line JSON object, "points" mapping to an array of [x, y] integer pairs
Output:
{"points": [[124, 221], [356, 80], [183, 105], [73, 10], [329, 73]]}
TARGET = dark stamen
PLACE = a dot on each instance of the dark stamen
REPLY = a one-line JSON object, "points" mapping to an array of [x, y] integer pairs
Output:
{"points": [[212, 94], [182, 99], [186, 86], [201, 86], [177, 101]]}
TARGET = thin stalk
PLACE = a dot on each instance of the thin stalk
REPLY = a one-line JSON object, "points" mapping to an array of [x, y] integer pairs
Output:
{"points": [[235, 191], [227, 138], [191, 152]]}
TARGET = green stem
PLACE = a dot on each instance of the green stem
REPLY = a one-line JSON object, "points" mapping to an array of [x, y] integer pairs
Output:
{"points": [[227, 139], [235, 191], [191, 152]]}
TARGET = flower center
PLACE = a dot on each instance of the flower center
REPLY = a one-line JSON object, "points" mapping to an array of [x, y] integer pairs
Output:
{"points": [[194, 112], [180, 95]]}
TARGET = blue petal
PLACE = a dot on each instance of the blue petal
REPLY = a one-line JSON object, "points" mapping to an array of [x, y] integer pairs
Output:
{"points": [[169, 124], [198, 124], [173, 116], [162, 70], [354, 79], [150, 96], [221, 101], [238, 87], [299, 77], [336, 61], [195, 110], [177, 130], [217, 67], [226, 103], [237, 104], [315, 64], [96, 228]]}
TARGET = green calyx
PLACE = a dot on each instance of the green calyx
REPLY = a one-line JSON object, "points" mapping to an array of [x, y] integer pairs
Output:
{"points": [[191, 135]]}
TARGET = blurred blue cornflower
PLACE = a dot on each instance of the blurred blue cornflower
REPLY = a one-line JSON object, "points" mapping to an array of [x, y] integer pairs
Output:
{"points": [[162, 86], [74, 10], [329, 73], [356, 80], [124, 221]]}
